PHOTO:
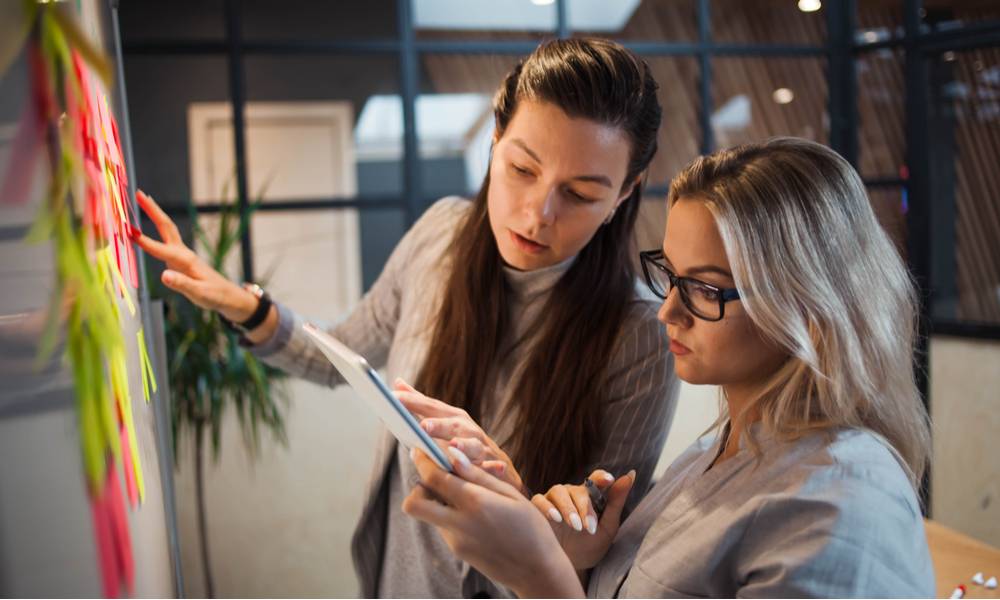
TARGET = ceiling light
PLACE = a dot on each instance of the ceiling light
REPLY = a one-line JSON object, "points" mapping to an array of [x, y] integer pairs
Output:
{"points": [[810, 5], [542, 2], [783, 95]]}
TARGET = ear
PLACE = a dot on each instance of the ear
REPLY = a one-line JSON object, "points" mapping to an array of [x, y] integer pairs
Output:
{"points": [[627, 190]]}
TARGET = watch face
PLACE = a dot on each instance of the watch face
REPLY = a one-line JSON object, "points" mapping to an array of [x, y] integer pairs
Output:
{"points": [[254, 289]]}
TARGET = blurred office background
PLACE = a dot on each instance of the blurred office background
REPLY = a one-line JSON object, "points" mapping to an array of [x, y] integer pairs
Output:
{"points": [[350, 118]]}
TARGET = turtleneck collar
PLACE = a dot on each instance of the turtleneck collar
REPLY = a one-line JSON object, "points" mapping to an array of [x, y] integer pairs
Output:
{"points": [[527, 284]]}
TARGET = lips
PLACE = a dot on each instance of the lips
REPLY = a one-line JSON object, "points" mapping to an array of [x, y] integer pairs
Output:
{"points": [[678, 348], [526, 244]]}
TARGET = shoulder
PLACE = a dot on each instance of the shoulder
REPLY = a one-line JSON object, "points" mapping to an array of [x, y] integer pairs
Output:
{"points": [[446, 211], [840, 503], [432, 233], [852, 467]]}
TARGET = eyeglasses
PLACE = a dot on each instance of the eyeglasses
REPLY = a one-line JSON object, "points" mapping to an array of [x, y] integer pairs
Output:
{"points": [[705, 301]]}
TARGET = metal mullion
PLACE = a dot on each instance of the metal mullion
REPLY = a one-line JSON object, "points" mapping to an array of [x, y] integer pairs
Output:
{"points": [[562, 19], [965, 329], [918, 214], [884, 182], [841, 82], [294, 205], [473, 47], [705, 83], [238, 99], [408, 65], [277, 47]]}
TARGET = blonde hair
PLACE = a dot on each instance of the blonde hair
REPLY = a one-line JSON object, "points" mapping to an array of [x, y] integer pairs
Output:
{"points": [[819, 277]]}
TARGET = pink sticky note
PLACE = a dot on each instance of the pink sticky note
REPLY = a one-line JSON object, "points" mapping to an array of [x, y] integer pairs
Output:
{"points": [[128, 469], [107, 558], [123, 541]]}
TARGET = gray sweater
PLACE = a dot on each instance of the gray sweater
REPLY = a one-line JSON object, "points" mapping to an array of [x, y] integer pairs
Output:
{"points": [[391, 327], [824, 516]]}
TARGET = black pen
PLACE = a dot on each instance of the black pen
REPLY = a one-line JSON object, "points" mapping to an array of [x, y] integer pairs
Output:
{"points": [[597, 498]]}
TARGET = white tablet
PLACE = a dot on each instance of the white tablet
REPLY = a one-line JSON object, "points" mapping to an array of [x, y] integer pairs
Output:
{"points": [[367, 383]]}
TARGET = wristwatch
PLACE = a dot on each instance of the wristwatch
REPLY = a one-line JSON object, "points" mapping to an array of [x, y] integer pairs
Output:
{"points": [[258, 316]]}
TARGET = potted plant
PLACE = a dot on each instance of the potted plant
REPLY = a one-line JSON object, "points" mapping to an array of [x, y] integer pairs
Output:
{"points": [[211, 373]]}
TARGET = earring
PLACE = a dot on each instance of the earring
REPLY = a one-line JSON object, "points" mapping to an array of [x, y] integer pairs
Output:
{"points": [[610, 216]]}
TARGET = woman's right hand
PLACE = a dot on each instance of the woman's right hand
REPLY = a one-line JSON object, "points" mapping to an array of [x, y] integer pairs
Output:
{"points": [[567, 507], [187, 273]]}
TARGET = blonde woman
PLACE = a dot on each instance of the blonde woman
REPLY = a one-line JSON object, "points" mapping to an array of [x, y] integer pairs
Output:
{"points": [[779, 286]]}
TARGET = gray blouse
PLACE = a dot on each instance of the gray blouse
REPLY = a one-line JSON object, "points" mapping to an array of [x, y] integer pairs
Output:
{"points": [[391, 326], [827, 515]]}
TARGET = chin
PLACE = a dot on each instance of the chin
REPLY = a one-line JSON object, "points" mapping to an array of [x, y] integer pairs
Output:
{"points": [[689, 373], [524, 262]]}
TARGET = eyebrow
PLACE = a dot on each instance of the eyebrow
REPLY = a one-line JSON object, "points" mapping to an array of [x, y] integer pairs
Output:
{"points": [[598, 179], [701, 269]]}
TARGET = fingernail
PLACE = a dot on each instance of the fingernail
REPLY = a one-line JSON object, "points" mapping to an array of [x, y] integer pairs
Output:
{"points": [[460, 456], [631, 474], [413, 454], [168, 277], [555, 516], [574, 520], [609, 477], [134, 232], [592, 524]]}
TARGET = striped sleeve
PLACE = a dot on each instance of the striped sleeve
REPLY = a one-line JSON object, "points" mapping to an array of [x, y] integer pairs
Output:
{"points": [[641, 404], [370, 327]]}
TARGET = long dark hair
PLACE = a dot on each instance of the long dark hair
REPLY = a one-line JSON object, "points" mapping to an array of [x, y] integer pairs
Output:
{"points": [[559, 394]]}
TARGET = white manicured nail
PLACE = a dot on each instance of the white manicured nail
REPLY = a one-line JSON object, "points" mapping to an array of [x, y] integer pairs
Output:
{"points": [[591, 524], [413, 454], [609, 477], [460, 456], [555, 516], [574, 520]]}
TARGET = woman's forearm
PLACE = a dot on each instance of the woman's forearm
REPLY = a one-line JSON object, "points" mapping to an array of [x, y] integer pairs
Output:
{"points": [[557, 580], [240, 306]]}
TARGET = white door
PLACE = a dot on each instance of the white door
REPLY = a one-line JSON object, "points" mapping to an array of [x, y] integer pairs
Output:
{"points": [[280, 526]]}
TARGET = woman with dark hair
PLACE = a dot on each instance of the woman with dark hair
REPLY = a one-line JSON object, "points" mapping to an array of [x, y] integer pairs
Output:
{"points": [[520, 310]]}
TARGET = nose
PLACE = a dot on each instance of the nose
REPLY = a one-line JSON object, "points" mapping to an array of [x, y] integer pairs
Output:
{"points": [[673, 312], [541, 207]]}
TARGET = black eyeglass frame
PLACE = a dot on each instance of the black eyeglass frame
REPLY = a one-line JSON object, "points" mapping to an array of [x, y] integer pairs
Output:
{"points": [[651, 257]]}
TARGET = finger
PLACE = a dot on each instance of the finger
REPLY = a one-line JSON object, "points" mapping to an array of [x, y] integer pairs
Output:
{"points": [[602, 478], [617, 495], [559, 496], [495, 468], [454, 488], [159, 250], [548, 509], [449, 427], [421, 505], [581, 500], [402, 385], [164, 225], [191, 289], [418, 403], [471, 447]]}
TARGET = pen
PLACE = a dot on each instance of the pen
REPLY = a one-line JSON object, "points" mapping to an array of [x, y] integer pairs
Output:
{"points": [[597, 498]]}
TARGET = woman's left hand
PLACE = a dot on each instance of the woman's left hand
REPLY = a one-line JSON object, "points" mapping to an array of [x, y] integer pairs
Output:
{"points": [[492, 526], [455, 427]]}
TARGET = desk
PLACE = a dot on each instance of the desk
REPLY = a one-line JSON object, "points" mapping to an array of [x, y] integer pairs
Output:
{"points": [[957, 557]]}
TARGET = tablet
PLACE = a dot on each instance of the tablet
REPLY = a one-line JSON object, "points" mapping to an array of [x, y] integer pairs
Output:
{"points": [[370, 387]]}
